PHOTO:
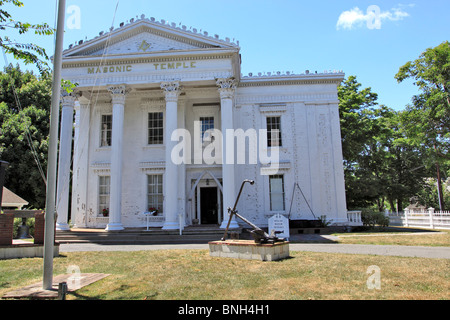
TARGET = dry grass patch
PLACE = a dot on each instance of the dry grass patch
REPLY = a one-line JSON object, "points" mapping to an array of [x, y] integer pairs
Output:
{"points": [[193, 275], [431, 239]]}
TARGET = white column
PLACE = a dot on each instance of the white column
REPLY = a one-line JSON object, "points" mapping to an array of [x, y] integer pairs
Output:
{"points": [[227, 88], [118, 94], [65, 160], [80, 162], [171, 91]]}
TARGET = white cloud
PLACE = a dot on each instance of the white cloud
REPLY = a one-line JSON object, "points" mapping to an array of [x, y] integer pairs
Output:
{"points": [[373, 18], [348, 19]]}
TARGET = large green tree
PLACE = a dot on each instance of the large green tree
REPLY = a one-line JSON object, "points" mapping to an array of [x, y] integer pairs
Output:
{"points": [[380, 166], [427, 119], [24, 126], [401, 167], [356, 106]]}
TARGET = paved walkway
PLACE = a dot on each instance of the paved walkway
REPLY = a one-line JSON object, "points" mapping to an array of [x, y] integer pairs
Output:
{"points": [[387, 250]]}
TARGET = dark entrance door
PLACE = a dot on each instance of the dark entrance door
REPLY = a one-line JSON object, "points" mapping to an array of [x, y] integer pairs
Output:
{"points": [[208, 205]]}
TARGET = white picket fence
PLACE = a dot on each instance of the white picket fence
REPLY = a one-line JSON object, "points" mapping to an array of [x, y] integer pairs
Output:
{"points": [[426, 219]]}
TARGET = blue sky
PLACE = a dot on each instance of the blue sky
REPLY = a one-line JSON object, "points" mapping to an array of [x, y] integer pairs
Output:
{"points": [[283, 35]]}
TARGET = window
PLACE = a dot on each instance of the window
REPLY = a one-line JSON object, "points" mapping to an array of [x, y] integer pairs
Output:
{"points": [[106, 131], [274, 132], [155, 128], [103, 194], [207, 123], [155, 192], [276, 189]]}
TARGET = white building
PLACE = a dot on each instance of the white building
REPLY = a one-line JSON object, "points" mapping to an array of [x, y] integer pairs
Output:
{"points": [[138, 83]]}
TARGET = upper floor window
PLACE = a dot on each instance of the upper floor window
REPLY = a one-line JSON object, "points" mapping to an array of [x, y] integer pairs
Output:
{"points": [[155, 128], [274, 132], [207, 123], [106, 130]]}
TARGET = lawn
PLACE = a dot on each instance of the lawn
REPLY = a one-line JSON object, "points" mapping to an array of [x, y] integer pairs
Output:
{"points": [[398, 236], [194, 275]]}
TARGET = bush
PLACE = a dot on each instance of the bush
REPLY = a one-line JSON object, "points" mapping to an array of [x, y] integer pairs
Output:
{"points": [[371, 219]]}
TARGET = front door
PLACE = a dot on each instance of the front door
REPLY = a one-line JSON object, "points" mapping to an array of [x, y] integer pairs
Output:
{"points": [[208, 205]]}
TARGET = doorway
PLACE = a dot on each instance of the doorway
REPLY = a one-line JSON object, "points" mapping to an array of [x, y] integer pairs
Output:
{"points": [[209, 205]]}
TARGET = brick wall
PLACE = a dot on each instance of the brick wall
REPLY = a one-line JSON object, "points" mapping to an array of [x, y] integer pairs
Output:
{"points": [[39, 227], [6, 229], [7, 225]]}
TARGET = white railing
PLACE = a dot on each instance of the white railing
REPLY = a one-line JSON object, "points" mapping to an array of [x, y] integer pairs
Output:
{"points": [[426, 219], [354, 218]]}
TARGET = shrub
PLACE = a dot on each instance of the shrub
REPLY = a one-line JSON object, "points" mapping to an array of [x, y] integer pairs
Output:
{"points": [[371, 219], [323, 222]]}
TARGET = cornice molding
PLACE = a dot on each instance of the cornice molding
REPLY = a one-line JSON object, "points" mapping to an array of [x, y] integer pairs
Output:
{"points": [[121, 59], [307, 99], [285, 82]]}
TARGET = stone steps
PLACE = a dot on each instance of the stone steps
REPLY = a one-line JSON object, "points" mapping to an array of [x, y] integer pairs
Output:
{"points": [[142, 236]]}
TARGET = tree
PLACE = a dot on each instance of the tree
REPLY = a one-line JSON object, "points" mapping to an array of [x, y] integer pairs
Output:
{"points": [[402, 166], [24, 132], [356, 107], [29, 53], [379, 164], [427, 119]]}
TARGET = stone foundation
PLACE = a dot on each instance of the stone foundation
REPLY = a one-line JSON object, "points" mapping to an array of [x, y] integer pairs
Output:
{"points": [[249, 250], [20, 251]]}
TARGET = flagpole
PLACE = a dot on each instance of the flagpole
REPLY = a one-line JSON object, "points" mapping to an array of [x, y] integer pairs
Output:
{"points": [[50, 203]]}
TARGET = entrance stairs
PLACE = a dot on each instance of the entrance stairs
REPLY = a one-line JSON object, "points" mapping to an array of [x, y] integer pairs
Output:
{"points": [[191, 234]]}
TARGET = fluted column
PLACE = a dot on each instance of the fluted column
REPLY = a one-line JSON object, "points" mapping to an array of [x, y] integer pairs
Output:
{"points": [[118, 94], [81, 161], [227, 88], [171, 91], [64, 162]]}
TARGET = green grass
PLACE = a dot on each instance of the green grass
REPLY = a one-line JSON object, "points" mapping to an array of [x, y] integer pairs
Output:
{"points": [[194, 275]]}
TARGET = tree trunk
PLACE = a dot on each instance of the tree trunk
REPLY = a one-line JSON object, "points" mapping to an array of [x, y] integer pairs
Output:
{"points": [[439, 186]]}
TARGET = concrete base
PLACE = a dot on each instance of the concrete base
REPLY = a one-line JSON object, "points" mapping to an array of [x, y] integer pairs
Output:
{"points": [[74, 282], [249, 250], [20, 251], [171, 226], [233, 224], [114, 227], [62, 227]]}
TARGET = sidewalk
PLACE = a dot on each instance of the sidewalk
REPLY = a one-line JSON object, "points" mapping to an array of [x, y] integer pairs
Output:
{"points": [[330, 247]]}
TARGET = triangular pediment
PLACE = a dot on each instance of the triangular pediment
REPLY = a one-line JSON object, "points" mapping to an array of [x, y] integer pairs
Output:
{"points": [[146, 36]]}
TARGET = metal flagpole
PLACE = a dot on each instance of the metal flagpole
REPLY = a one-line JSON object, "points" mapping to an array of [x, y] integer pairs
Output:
{"points": [[50, 204]]}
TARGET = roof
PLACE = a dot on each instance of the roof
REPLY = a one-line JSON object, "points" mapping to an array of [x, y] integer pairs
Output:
{"points": [[10, 199], [415, 206], [168, 36]]}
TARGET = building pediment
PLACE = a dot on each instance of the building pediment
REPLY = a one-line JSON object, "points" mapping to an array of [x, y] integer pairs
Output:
{"points": [[147, 36], [145, 52]]}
